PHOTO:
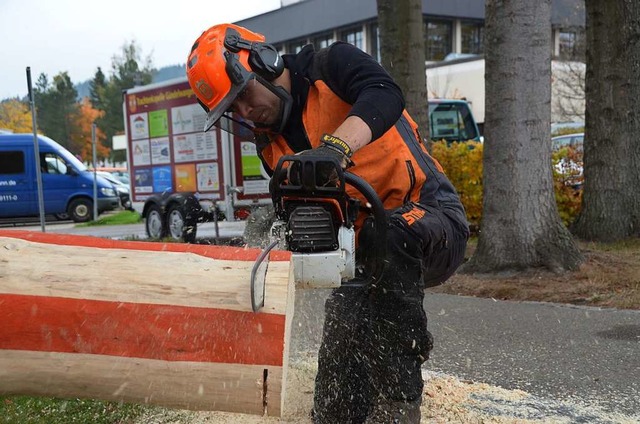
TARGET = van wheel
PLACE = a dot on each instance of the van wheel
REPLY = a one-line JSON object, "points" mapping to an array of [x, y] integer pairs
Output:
{"points": [[81, 210], [181, 228], [62, 216], [154, 224]]}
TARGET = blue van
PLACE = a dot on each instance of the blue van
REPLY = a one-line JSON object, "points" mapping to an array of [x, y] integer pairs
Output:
{"points": [[67, 184]]}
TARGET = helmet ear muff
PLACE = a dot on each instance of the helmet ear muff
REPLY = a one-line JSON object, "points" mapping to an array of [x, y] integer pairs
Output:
{"points": [[264, 59]]}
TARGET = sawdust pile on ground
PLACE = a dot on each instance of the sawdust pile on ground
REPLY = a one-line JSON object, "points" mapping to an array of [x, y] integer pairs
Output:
{"points": [[446, 399]]}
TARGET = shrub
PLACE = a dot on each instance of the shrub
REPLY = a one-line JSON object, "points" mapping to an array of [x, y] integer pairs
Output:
{"points": [[567, 181], [462, 163]]}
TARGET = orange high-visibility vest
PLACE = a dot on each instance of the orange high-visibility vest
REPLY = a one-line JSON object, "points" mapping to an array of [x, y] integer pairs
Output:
{"points": [[396, 165]]}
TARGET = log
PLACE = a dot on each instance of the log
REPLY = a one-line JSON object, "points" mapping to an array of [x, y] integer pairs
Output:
{"points": [[159, 323]]}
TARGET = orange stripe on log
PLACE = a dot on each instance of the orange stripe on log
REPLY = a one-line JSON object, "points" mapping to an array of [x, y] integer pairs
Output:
{"points": [[164, 332], [214, 252]]}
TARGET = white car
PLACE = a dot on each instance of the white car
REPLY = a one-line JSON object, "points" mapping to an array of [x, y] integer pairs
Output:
{"points": [[570, 166], [122, 189]]}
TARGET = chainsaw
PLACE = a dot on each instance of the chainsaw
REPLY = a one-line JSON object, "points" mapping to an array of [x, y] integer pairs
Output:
{"points": [[316, 223]]}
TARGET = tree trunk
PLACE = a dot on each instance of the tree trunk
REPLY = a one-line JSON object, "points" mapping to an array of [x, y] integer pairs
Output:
{"points": [[611, 198], [520, 226], [402, 37]]}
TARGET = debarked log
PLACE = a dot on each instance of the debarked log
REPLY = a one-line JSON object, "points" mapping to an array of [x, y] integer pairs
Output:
{"points": [[160, 323]]}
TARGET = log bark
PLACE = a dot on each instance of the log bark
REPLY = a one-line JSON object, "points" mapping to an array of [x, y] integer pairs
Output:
{"points": [[164, 324]]}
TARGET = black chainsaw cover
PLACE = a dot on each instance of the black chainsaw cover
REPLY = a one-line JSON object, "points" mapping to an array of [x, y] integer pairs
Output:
{"points": [[311, 229]]}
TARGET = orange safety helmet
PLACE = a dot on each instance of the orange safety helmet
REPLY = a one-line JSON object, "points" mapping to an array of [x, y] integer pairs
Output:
{"points": [[221, 63]]}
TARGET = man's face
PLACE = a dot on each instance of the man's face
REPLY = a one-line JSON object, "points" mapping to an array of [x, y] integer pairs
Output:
{"points": [[256, 103]]}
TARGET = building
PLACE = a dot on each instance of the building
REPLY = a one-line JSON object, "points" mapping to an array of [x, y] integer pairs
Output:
{"points": [[452, 26]]}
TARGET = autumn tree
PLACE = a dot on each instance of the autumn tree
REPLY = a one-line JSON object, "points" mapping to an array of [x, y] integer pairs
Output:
{"points": [[81, 138], [15, 116], [402, 42], [611, 196], [521, 227]]}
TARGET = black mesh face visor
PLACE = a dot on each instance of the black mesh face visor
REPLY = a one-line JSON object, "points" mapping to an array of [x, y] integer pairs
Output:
{"points": [[236, 125], [244, 128], [214, 115]]}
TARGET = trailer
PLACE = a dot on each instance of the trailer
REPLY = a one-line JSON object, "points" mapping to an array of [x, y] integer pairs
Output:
{"points": [[180, 175], [462, 79]]}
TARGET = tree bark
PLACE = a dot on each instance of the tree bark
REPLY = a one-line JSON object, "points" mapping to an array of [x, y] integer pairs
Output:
{"points": [[611, 197], [402, 41], [520, 227]]}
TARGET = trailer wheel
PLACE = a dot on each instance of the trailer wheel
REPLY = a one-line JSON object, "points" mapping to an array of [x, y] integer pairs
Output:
{"points": [[80, 210], [154, 224], [180, 227]]}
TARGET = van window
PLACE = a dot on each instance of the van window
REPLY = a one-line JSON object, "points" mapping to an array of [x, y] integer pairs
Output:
{"points": [[452, 122], [12, 162], [52, 164]]}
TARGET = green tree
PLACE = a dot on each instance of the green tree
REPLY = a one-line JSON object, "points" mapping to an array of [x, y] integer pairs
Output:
{"points": [[56, 105], [521, 227], [128, 69], [96, 89]]}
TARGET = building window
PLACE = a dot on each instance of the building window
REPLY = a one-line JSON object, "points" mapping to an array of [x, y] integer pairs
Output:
{"points": [[353, 36], [439, 39], [374, 38], [296, 45], [323, 40], [567, 45], [472, 37]]}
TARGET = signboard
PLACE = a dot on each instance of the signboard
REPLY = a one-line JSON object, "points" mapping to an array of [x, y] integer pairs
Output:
{"points": [[169, 152]]}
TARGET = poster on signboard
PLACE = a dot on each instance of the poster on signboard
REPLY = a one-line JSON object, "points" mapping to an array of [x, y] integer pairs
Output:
{"points": [[208, 177]]}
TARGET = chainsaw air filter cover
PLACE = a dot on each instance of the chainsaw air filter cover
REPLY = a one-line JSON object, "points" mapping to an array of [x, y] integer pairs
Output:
{"points": [[311, 229]]}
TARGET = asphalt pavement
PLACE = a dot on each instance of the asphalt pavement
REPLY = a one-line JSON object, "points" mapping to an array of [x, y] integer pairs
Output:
{"points": [[567, 357], [564, 355]]}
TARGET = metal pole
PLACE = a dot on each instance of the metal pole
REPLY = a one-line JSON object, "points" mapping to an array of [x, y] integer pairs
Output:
{"points": [[95, 175], [36, 149]]}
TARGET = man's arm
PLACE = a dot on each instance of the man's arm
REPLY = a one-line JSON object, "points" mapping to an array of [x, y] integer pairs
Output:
{"points": [[355, 132], [361, 81]]}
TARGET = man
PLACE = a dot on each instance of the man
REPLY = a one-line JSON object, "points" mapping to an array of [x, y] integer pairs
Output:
{"points": [[340, 103]]}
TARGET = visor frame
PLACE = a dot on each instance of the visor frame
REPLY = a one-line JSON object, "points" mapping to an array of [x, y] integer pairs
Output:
{"points": [[214, 115]]}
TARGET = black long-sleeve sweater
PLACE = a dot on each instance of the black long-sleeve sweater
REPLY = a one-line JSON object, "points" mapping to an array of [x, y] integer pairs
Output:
{"points": [[352, 75]]}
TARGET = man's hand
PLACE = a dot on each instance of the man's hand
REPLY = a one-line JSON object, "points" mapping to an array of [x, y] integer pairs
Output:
{"points": [[331, 147]]}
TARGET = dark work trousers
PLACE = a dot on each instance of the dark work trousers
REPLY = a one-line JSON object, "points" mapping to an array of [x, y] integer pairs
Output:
{"points": [[375, 338]]}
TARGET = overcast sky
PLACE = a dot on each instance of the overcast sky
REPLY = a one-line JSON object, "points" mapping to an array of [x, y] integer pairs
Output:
{"points": [[78, 36]]}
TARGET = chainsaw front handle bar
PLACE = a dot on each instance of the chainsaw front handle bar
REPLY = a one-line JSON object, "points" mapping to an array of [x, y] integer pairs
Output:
{"points": [[380, 228]]}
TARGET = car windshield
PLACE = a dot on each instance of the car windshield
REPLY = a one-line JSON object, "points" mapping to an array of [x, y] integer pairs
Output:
{"points": [[571, 140], [109, 177], [452, 121]]}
